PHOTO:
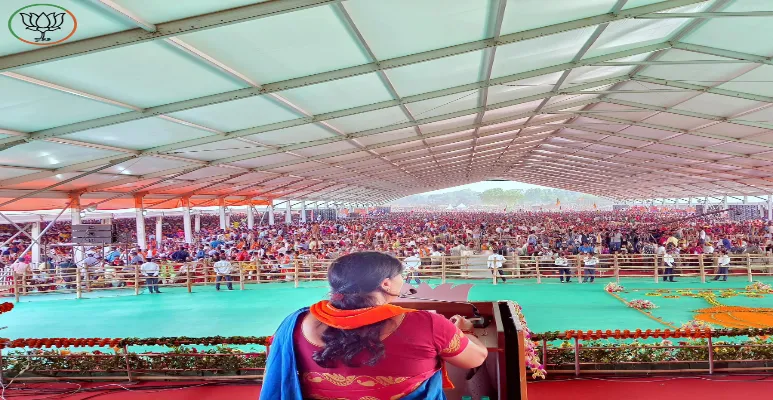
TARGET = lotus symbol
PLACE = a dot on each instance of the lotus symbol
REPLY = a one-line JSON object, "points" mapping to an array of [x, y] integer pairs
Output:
{"points": [[43, 22]]}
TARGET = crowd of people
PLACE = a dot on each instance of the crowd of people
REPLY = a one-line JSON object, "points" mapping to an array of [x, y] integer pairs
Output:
{"points": [[420, 238]]}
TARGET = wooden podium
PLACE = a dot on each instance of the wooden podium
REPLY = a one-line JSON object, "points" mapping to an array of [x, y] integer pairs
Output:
{"points": [[505, 365]]}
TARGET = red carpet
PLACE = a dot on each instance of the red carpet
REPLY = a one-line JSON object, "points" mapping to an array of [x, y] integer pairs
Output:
{"points": [[639, 388], [656, 388], [133, 391]]}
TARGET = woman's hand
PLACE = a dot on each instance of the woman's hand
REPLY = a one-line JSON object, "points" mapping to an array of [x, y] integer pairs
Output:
{"points": [[462, 323]]}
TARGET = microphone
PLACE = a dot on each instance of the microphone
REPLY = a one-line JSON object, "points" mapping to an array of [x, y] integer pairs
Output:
{"points": [[411, 292]]}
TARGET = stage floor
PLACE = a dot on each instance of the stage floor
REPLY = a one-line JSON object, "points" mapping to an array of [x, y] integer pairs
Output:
{"points": [[258, 310]]}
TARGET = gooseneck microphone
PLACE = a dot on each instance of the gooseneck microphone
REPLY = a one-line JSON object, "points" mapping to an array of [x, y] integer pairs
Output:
{"points": [[412, 291]]}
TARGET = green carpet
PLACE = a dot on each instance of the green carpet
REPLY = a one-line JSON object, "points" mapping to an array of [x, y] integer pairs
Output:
{"points": [[260, 308]]}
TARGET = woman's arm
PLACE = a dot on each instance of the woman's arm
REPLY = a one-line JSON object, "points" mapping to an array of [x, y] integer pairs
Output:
{"points": [[475, 353]]}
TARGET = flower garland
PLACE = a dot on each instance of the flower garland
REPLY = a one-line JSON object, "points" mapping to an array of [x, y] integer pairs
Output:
{"points": [[759, 287], [114, 342], [530, 352], [5, 307], [696, 325], [638, 352], [179, 361], [657, 333], [613, 287], [642, 304]]}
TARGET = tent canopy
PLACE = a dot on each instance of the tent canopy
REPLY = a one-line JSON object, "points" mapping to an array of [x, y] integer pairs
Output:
{"points": [[370, 100]]}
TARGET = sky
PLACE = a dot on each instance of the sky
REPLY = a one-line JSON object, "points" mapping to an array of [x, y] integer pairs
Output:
{"points": [[486, 185]]}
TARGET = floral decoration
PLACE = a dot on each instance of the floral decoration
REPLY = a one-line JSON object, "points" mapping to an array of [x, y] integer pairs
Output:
{"points": [[759, 287], [614, 287], [642, 304], [108, 342], [696, 325], [181, 360], [531, 353], [605, 352], [656, 333]]}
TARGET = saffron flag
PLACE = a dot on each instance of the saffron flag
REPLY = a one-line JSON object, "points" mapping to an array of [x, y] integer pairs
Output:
{"points": [[558, 202], [594, 206]]}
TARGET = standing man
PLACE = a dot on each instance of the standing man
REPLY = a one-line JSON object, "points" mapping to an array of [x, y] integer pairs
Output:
{"points": [[495, 262], [563, 267], [223, 270], [590, 267], [412, 265], [724, 266], [615, 241], [150, 271], [668, 262]]}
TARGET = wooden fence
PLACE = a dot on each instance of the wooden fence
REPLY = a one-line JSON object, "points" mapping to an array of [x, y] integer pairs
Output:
{"points": [[442, 269]]}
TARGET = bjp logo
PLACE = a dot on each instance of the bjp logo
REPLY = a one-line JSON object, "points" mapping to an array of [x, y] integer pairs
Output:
{"points": [[42, 24]]}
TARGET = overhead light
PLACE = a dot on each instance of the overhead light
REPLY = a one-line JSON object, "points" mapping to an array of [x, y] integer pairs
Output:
{"points": [[91, 208], [83, 214], [144, 212]]}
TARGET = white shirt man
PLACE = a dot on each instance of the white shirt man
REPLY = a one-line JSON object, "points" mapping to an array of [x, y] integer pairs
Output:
{"points": [[724, 260], [436, 257], [412, 264], [562, 263], [590, 267], [223, 271], [222, 267], [495, 263], [724, 265], [668, 260], [150, 271]]}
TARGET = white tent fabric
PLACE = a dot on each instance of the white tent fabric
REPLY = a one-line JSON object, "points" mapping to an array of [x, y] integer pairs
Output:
{"points": [[370, 100]]}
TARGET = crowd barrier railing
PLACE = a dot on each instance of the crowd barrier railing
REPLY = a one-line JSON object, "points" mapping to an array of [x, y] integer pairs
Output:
{"points": [[471, 267]]}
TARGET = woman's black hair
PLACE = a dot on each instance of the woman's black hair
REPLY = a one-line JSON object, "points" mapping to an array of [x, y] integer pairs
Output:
{"points": [[353, 278]]}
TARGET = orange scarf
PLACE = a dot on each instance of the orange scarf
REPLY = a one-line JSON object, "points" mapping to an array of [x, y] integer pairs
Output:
{"points": [[353, 319]]}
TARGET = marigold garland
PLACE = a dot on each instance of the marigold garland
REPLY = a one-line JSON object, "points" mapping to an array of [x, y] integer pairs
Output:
{"points": [[643, 334]]}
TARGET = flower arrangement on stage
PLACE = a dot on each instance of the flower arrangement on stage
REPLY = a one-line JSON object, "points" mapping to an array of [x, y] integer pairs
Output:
{"points": [[656, 333], [642, 305], [727, 293], [759, 287], [614, 287], [221, 360], [107, 342], [696, 325], [605, 352], [530, 352]]}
